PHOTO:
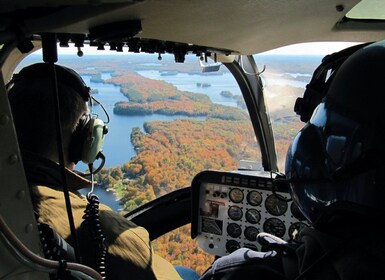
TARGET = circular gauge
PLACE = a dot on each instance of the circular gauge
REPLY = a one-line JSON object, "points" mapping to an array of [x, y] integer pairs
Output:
{"points": [[296, 212], [275, 206], [275, 227], [250, 246], [235, 213], [254, 198], [251, 233], [234, 230], [232, 245], [295, 229], [236, 195], [253, 216]]}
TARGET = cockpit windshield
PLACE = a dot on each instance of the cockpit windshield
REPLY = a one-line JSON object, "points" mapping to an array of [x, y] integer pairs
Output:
{"points": [[168, 122]]}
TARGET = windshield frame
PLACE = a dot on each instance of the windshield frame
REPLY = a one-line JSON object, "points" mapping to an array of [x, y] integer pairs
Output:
{"points": [[251, 87]]}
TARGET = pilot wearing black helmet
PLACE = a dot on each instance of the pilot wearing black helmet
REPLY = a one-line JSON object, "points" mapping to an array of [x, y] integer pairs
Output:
{"points": [[335, 169]]}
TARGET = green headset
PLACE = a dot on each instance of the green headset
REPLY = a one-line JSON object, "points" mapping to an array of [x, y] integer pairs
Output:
{"points": [[87, 140], [88, 137]]}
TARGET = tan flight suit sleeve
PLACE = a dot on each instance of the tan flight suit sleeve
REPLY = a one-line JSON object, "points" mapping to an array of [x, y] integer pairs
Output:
{"points": [[130, 255]]}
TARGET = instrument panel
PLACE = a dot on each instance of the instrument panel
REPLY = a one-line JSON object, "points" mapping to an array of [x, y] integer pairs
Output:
{"points": [[230, 209]]}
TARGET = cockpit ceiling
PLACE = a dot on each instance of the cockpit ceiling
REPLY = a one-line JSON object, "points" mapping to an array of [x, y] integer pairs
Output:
{"points": [[242, 26]]}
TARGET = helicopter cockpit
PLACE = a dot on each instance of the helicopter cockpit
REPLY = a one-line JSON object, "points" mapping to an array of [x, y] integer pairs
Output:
{"points": [[222, 183]]}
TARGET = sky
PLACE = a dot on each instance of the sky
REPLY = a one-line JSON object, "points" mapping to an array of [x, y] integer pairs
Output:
{"points": [[312, 48]]}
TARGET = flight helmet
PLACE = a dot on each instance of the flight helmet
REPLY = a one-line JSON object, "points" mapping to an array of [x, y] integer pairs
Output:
{"points": [[339, 155]]}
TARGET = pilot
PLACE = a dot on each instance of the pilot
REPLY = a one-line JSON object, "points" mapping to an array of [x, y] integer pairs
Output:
{"points": [[129, 252], [335, 169]]}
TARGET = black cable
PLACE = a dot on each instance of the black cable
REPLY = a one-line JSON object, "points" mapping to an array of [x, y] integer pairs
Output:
{"points": [[92, 220], [61, 161], [280, 183], [35, 261], [103, 161], [54, 246], [103, 108]]}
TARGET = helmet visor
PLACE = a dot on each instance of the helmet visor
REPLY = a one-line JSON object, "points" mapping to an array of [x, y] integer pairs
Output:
{"points": [[324, 163]]}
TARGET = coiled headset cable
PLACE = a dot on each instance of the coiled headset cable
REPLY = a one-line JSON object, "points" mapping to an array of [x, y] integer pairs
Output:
{"points": [[92, 221]]}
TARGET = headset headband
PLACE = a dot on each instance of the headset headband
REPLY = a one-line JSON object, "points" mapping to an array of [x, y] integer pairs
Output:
{"points": [[64, 75]]}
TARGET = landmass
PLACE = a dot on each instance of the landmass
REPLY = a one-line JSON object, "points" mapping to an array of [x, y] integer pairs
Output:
{"points": [[226, 93], [148, 96], [203, 85]]}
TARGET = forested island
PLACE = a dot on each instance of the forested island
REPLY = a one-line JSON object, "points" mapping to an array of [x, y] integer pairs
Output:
{"points": [[148, 96], [226, 93]]}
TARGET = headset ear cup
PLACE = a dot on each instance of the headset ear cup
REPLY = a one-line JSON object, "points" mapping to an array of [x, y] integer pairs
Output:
{"points": [[93, 139], [76, 145]]}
